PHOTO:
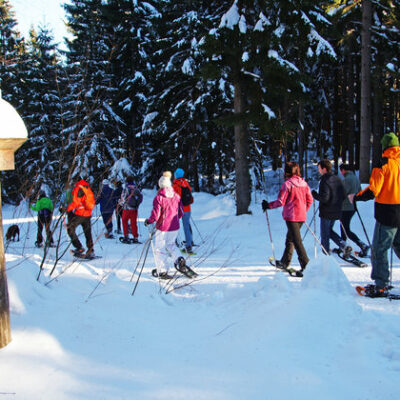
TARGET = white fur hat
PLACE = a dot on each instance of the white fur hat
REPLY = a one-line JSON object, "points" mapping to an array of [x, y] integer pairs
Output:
{"points": [[164, 182]]}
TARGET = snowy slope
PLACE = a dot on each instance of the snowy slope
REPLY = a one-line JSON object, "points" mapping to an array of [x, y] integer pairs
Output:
{"points": [[242, 330]]}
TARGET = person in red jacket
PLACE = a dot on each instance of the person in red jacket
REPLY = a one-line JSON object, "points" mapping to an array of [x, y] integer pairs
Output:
{"points": [[183, 189], [79, 213], [296, 199]]}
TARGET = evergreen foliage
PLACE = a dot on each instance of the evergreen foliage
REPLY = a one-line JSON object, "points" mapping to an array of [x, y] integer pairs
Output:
{"points": [[201, 85]]}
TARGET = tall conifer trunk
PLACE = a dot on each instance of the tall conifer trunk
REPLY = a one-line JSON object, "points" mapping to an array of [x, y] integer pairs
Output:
{"points": [[365, 131], [241, 156]]}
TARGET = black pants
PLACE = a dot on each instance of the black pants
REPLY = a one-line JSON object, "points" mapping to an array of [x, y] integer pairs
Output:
{"points": [[345, 230], [293, 241], [44, 221], [73, 222]]}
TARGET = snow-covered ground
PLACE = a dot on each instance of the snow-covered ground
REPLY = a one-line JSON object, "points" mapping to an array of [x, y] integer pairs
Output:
{"points": [[241, 330]]}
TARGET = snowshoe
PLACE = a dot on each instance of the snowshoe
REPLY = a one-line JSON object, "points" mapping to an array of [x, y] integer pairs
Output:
{"points": [[80, 253], [188, 251], [291, 271], [128, 240], [38, 244], [375, 291], [162, 275], [109, 236], [181, 266], [350, 259]]}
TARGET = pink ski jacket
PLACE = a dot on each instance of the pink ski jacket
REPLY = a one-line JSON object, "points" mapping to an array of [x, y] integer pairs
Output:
{"points": [[296, 199], [167, 210]]}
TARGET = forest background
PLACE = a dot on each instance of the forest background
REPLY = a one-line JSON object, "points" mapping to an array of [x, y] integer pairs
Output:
{"points": [[218, 88]]}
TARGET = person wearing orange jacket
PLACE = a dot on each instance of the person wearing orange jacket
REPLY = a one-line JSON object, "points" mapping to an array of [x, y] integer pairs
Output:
{"points": [[183, 189], [384, 186], [79, 213]]}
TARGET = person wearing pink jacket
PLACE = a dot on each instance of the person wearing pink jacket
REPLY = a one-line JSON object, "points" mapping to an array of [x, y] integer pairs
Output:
{"points": [[296, 199], [166, 213]]}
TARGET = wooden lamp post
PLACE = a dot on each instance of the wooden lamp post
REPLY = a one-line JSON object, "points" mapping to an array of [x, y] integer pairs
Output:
{"points": [[13, 134]]}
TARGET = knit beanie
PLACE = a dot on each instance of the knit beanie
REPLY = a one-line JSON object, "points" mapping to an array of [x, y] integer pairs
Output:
{"points": [[179, 173], [389, 140], [164, 182]]}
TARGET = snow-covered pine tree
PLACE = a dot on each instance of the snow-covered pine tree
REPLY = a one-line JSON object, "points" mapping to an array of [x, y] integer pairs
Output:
{"points": [[90, 123], [40, 156], [179, 126], [128, 25], [13, 59]]}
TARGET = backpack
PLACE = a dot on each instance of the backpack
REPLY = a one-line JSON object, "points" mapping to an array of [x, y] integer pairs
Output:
{"points": [[186, 196], [134, 198]]}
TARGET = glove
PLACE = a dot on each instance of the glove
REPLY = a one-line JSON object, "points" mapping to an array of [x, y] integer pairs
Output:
{"points": [[62, 210], [314, 194], [265, 205], [146, 222]]}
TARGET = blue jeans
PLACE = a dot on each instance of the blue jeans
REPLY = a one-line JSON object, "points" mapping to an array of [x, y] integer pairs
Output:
{"points": [[384, 238], [187, 229], [327, 232]]}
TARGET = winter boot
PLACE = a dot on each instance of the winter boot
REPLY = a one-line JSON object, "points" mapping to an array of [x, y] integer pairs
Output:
{"points": [[38, 244], [162, 275], [134, 240], [109, 235], [347, 251], [364, 250], [280, 264]]}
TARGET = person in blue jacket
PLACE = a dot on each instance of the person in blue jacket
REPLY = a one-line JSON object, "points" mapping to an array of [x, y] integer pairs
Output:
{"points": [[108, 203]]}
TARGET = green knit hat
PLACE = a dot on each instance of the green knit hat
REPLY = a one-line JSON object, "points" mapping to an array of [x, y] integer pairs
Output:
{"points": [[389, 140]]}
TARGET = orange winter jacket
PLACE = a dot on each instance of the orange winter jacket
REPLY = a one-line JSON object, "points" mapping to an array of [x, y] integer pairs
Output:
{"points": [[83, 200], [384, 185]]}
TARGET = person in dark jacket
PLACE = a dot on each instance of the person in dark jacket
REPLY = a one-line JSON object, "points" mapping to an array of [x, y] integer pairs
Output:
{"points": [[108, 203], [351, 186], [330, 196], [384, 187]]}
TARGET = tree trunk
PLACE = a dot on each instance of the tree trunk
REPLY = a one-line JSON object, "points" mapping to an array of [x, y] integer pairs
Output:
{"points": [[243, 195], [301, 137], [377, 118], [5, 329], [365, 131]]}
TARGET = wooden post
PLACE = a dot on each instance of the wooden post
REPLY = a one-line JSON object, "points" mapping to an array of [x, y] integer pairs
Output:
{"points": [[12, 136], [5, 328]]}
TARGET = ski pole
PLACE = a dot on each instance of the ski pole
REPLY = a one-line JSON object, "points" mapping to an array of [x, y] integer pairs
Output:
{"points": [[197, 229], [363, 226], [391, 266], [315, 237], [270, 235], [315, 230], [312, 219]]}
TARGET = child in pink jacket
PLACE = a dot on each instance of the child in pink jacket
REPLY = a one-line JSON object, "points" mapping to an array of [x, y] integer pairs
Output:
{"points": [[296, 199], [166, 212]]}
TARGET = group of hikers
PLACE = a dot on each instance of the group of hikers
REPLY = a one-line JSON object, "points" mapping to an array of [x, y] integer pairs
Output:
{"points": [[338, 201], [172, 202]]}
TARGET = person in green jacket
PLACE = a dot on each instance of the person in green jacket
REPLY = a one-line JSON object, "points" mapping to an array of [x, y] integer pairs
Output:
{"points": [[352, 186], [44, 208]]}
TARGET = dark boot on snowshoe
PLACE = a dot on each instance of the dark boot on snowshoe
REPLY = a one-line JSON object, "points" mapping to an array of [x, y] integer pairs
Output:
{"points": [[125, 239], [280, 264], [162, 275], [364, 250], [347, 251], [38, 244]]}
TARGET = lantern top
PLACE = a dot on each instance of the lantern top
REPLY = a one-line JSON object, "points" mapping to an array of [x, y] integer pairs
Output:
{"points": [[11, 125]]}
